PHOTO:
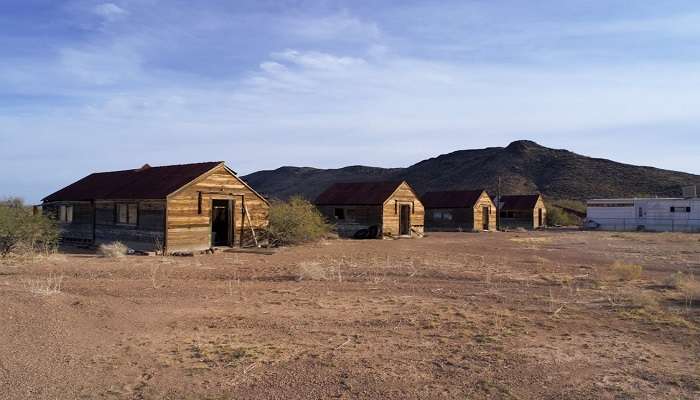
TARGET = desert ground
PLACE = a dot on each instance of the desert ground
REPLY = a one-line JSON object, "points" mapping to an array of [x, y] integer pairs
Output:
{"points": [[546, 315]]}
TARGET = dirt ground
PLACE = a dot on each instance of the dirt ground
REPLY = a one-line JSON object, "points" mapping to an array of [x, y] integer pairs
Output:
{"points": [[551, 315]]}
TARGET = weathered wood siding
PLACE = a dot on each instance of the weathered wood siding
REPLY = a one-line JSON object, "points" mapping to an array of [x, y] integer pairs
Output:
{"points": [[535, 218], [526, 219], [468, 218], [147, 234], [484, 201], [80, 229], [391, 209], [356, 218], [462, 219], [190, 230]]}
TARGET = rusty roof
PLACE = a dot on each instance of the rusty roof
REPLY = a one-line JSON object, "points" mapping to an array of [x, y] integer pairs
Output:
{"points": [[520, 202], [451, 198], [358, 193], [143, 183]]}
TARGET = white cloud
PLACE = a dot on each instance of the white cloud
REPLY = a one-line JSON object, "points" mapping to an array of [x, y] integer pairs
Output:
{"points": [[109, 11], [317, 60], [338, 27]]}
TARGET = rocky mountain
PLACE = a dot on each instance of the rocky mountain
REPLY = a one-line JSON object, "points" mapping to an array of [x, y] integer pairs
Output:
{"points": [[523, 167]]}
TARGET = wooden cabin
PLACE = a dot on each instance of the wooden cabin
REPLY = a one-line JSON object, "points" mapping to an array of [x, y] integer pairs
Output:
{"points": [[459, 210], [373, 209], [522, 211], [176, 208]]}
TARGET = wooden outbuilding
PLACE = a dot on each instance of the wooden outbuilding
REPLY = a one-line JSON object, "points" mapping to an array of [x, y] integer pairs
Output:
{"points": [[174, 208], [522, 211], [373, 209], [459, 210]]}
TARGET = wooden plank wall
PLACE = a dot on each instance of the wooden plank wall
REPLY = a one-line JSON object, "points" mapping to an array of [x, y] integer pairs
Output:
{"points": [[356, 218], [189, 230], [535, 217], [390, 217], [462, 220], [81, 228], [146, 235], [484, 201]]}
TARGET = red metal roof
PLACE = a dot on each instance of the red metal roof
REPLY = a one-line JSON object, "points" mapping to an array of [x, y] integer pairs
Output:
{"points": [[143, 183], [523, 202], [357, 193], [451, 198]]}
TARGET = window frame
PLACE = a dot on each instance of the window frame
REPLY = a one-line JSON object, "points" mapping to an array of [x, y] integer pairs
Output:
{"points": [[65, 213], [128, 214], [339, 216]]}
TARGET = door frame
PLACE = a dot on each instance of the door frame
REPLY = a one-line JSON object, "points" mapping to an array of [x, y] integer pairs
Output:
{"points": [[486, 218], [230, 205], [402, 223]]}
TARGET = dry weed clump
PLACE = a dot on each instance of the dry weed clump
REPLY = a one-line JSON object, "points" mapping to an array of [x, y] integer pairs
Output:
{"points": [[686, 284], [626, 272], [315, 271], [45, 286], [113, 250]]}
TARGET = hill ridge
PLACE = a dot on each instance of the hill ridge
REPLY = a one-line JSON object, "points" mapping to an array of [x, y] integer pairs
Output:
{"points": [[524, 166]]}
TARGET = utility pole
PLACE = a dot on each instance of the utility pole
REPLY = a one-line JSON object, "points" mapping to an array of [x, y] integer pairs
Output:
{"points": [[498, 205]]}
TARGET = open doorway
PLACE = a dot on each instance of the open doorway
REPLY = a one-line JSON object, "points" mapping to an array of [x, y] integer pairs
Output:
{"points": [[405, 221], [221, 223], [540, 218], [485, 218]]}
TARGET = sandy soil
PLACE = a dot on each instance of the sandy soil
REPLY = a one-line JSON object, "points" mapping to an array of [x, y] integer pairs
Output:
{"points": [[493, 315]]}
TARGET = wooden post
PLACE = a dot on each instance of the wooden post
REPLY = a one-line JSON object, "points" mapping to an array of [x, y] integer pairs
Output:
{"points": [[247, 215]]}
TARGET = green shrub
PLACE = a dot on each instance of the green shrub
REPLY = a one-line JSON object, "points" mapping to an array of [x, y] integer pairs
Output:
{"points": [[23, 231], [296, 221], [558, 217]]}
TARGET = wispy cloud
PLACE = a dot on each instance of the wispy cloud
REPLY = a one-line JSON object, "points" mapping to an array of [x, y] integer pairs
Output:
{"points": [[264, 88], [110, 11]]}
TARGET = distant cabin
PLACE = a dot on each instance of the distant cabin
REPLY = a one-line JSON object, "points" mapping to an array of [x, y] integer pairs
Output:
{"points": [[522, 211], [374, 209], [173, 208], [459, 210]]}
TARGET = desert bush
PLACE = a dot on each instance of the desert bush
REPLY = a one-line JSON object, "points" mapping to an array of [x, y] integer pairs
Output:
{"points": [[686, 284], [296, 221], [626, 272], [641, 299], [22, 231], [45, 286], [557, 216], [315, 271], [113, 250]]}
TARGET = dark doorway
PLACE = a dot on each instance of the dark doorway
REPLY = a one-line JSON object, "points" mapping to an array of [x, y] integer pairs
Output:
{"points": [[539, 217], [405, 220], [485, 218], [221, 223]]}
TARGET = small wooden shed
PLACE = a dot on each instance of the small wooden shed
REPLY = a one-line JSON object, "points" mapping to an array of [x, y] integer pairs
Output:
{"points": [[175, 208], [522, 211], [379, 209], [459, 210]]}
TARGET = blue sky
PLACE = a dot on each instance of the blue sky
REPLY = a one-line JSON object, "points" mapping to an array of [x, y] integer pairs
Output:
{"points": [[92, 85]]}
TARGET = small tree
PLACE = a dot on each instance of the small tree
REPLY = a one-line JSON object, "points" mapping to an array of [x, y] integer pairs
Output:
{"points": [[296, 221], [20, 228]]}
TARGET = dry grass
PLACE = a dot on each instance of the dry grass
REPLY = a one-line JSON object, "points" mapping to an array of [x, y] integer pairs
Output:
{"points": [[113, 250], [315, 271], [626, 272], [45, 286], [641, 299], [686, 284]]}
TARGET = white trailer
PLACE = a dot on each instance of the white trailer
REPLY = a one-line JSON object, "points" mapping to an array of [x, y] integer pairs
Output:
{"points": [[644, 214]]}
